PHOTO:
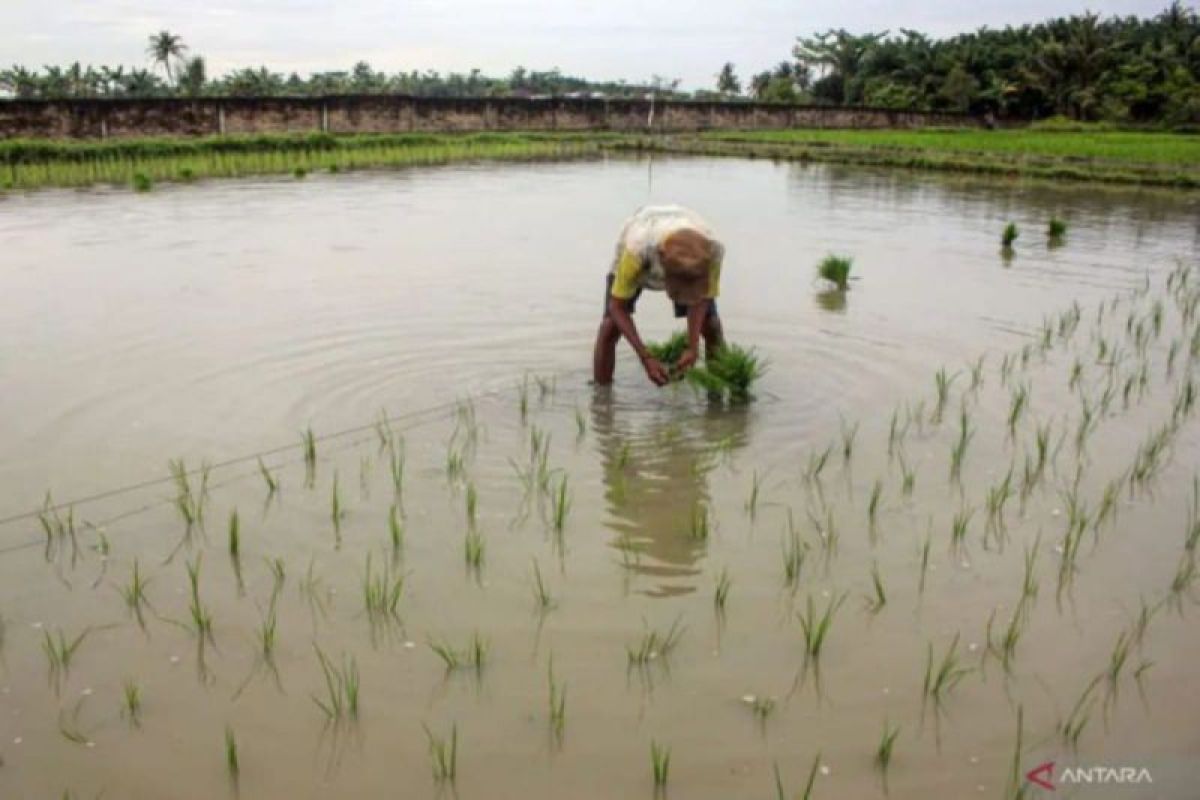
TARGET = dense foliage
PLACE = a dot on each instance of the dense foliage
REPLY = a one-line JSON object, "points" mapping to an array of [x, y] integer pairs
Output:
{"points": [[1123, 69], [1082, 67]]}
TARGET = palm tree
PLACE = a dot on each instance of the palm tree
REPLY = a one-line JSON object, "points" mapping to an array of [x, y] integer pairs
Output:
{"points": [[841, 51], [163, 47]]}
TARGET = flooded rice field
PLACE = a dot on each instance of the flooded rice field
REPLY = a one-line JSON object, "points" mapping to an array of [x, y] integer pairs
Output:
{"points": [[306, 494]]}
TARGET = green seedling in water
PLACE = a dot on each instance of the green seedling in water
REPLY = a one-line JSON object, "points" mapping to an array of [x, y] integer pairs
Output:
{"points": [[134, 592], [959, 526], [941, 681], [876, 603], [474, 655], [959, 451], [816, 627], [760, 706], [1071, 728], [883, 753], [699, 524], [201, 618], [836, 270], [908, 478], [472, 503], [396, 467], [580, 425], [473, 549], [395, 529], [794, 552], [443, 754], [523, 397], [849, 434], [310, 454], [721, 593], [752, 500], [142, 182], [560, 504], [131, 704], [231, 754], [271, 481], [816, 464], [557, 705], [653, 645], [60, 652], [541, 595], [924, 563], [873, 503], [1009, 236], [341, 698], [660, 764], [1020, 398], [267, 634], [381, 592], [941, 382], [234, 535], [1056, 229], [729, 373], [336, 511]]}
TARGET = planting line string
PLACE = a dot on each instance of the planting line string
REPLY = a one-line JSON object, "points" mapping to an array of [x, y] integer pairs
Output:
{"points": [[413, 418]]}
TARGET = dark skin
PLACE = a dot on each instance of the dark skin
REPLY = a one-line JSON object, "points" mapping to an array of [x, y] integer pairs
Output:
{"points": [[619, 322]]}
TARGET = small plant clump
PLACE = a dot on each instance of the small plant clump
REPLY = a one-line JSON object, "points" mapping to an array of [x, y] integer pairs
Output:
{"points": [[836, 270], [1009, 236], [728, 373], [1056, 229]]}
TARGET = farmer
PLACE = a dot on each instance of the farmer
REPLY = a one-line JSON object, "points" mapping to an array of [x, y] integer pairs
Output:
{"points": [[663, 248]]}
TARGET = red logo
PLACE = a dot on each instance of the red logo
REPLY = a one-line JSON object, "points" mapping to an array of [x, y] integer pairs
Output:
{"points": [[1042, 775]]}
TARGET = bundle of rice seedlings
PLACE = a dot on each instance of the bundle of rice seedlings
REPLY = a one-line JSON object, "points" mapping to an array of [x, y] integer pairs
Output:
{"points": [[729, 372], [836, 270]]}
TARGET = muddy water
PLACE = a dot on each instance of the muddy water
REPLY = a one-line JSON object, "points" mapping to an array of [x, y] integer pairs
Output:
{"points": [[215, 322]]}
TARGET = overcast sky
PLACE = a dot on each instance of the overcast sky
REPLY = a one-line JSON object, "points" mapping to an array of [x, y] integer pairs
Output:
{"points": [[613, 39]]}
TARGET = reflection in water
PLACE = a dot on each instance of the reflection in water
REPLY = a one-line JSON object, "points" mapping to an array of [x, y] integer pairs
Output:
{"points": [[657, 460], [832, 300]]}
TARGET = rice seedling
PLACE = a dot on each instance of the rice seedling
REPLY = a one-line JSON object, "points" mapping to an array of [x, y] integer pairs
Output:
{"points": [[201, 617], [924, 563], [381, 592], [68, 725], [231, 754], [977, 374], [580, 425], [883, 752], [142, 182], [654, 644], [235, 546], [1056, 229], [699, 523], [474, 655], [873, 503], [395, 529], [300, 173], [473, 550], [1117, 660], [60, 652], [1020, 399], [760, 706], [271, 481], [849, 433], [729, 373], [523, 397], [721, 592], [1071, 728], [267, 633], [1029, 582], [336, 511], [1005, 647], [941, 681], [836, 270], [908, 478], [1009, 236], [131, 703], [185, 501], [1015, 788], [309, 444], [752, 499], [816, 464], [541, 595], [396, 468], [134, 592], [959, 526], [560, 505], [443, 754], [876, 602], [827, 531], [794, 552], [996, 499], [1075, 376], [660, 764], [895, 432], [341, 698], [472, 504], [815, 627], [941, 382], [557, 702]]}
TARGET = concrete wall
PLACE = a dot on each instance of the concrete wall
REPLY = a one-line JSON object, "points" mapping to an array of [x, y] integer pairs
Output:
{"points": [[103, 118]]}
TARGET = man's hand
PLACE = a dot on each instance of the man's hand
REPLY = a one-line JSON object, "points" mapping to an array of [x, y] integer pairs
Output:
{"points": [[655, 371], [687, 360]]}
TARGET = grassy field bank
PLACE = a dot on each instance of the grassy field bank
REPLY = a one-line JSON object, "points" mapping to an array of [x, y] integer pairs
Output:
{"points": [[1159, 159]]}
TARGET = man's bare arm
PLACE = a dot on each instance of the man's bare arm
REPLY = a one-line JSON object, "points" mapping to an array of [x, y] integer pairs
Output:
{"points": [[619, 311]]}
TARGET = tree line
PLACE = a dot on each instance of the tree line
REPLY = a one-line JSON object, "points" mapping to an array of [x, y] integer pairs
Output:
{"points": [[1123, 69]]}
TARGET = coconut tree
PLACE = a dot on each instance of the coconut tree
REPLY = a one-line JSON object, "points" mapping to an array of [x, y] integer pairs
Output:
{"points": [[165, 46]]}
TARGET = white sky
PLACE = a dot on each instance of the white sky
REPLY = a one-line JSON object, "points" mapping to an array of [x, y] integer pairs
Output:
{"points": [[613, 39]]}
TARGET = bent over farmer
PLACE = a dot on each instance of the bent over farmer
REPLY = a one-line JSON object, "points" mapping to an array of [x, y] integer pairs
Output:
{"points": [[661, 248]]}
